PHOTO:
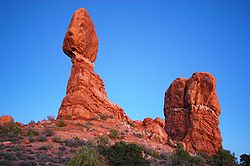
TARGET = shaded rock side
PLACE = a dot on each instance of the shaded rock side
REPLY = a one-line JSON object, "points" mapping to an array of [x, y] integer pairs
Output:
{"points": [[191, 109], [81, 36], [85, 97]]}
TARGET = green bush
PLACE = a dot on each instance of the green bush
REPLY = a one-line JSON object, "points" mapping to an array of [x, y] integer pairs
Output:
{"points": [[31, 138], [96, 117], [47, 147], [224, 157], [61, 123], [75, 142], [69, 117], [42, 138], [48, 132], [122, 154], [56, 139], [245, 160], [87, 156], [32, 132], [102, 140], [114, 134], [10, 128], [103, 117], [182, 157], [51, 118]]}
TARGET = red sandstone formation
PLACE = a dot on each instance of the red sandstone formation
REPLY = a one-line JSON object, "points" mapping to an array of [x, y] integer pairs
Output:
{"points": [[5, 119], [192, 109], [81, 37], [85, 97]]}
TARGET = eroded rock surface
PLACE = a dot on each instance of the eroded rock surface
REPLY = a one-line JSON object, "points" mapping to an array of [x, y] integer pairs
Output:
{"points": [[191, 108], [81, 36], [85, 97]]}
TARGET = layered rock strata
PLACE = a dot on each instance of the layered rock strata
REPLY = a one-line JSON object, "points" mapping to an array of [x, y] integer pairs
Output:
{"points": [[192, 110], [85, 97]]}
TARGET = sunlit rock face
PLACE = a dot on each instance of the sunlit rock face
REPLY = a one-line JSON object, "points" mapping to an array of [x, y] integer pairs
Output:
{"points": [[81, 36], [85, 97], [191, 109]]}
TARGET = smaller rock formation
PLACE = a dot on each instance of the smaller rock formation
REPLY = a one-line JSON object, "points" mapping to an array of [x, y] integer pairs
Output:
{"points": [[191, 109], [154, 129], [85, 97], [6, 119]]}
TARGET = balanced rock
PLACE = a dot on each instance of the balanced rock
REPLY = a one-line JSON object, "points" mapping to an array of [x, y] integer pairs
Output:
{"points": [[85, 97], [6, 119], [192, 110], [81, 36]]}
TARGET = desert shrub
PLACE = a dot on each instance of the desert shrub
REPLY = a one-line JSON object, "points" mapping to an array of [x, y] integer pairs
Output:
{"points": [[114, 134], [32, 132], [102, 140], [131, 124], [197, 161], [103, 117], [31, 138], [10, 128], [96, 117], [61, 123], [56, 139], [245, 160], [48, 132], [44, 147], [224, 157], [75, 142], [28, 163], [87, 125], [138, 134], [32, 122], [62, 148], [69, 117], [5, 162], [122, 154], [21, 155], [17, 148], [111, 117], [42, 138], [151, 152], [182, 157], [51, 118], [87, 156], [8, 156]]}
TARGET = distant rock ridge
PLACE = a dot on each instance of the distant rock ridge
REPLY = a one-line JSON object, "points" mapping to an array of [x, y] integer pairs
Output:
{"points": [[191, 109], [85, 96]]}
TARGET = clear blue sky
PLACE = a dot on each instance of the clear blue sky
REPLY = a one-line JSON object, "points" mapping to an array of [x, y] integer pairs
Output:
{"points": [[143, 46]]}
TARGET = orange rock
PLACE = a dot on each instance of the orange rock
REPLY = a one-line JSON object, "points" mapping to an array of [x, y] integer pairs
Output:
{"points": [[6, 119], [155, 129], [159, 121], [191, 109], [81, 37], [85, 97]]}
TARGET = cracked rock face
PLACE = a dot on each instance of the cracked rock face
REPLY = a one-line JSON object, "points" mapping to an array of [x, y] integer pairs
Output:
{"points": [[191, 109], [85, 97], [81, 36]]}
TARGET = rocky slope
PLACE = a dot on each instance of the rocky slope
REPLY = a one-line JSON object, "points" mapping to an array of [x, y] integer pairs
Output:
{"points": [[191, 109]]}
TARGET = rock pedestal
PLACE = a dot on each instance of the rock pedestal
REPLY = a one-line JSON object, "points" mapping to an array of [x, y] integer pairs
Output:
{"points": [[85, 97]]}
